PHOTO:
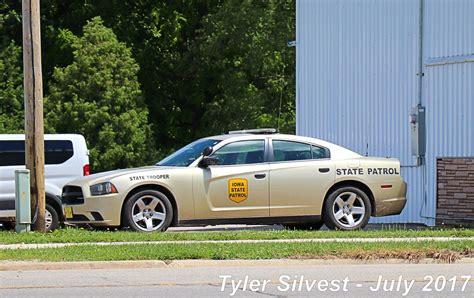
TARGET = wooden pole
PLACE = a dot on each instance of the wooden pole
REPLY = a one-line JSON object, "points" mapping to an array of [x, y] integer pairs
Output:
{"points": [[33, 90]]}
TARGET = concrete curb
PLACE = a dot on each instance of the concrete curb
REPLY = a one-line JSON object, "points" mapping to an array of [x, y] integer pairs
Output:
{"points": [[307, 240], [25, 265], [34, 265]]}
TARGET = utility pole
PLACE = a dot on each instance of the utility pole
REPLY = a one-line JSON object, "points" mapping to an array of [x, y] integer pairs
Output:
{"points": [[33, 91]]}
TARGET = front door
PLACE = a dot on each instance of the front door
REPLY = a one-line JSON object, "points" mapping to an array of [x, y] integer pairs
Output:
{"points": [[235, 188]]}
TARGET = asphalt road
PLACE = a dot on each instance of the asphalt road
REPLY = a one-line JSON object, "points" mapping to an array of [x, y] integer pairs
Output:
{"points": [[295, 278]]}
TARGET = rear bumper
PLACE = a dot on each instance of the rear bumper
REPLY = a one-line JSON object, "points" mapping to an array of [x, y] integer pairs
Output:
{"points": [[394, 205]]}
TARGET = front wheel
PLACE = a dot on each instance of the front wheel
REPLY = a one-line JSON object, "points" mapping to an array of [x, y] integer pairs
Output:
{"points": [[148, 211], [347, 208]]}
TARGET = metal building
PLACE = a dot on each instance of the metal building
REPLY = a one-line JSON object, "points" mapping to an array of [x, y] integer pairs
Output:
{"points": [[367, 71]]}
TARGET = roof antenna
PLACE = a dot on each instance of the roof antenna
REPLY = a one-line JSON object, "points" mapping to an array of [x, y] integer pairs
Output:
{"points": [[366, 148]]}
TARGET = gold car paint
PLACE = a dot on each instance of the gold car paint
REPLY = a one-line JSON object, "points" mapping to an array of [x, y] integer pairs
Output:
{"points": [[202, 193], [305, 194], [211, 191]]}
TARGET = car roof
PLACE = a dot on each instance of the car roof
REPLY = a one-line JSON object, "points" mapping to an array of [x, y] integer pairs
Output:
{"points": [[336, 150]]}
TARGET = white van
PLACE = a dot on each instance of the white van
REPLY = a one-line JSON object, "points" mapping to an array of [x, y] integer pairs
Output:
{"points": [[66, 158]]}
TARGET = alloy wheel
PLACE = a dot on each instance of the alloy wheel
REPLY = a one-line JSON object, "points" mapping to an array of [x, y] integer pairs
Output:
{"points": [[148, 213], [349, 209]]}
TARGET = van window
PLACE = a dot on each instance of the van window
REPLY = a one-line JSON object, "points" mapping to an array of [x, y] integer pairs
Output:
{"points": [[12, 153]]}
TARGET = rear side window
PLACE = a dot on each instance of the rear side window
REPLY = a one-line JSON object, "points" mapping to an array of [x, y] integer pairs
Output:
{"points": [[320, 152], [287, 150], [12, 153]]}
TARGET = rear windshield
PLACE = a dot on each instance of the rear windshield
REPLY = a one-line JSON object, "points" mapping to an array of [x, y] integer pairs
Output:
{"points": [[12, 153]]}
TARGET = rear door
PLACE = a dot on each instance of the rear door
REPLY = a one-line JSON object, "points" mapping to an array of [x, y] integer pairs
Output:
{"points": [[238, 186], [62, 164], [300, 175]]}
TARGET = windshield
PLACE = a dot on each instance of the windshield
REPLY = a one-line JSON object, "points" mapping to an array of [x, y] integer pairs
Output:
{"points": [[186, 155]]}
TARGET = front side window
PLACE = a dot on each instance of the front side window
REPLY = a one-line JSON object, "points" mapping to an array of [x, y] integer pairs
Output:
{"points": [[241, 152], [288, 150]]}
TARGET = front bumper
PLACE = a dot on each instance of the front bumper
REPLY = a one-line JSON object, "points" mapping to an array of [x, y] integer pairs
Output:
{"points": [[94, 210]]}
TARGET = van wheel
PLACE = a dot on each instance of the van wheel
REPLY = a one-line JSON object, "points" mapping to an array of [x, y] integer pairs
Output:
{"points": [[148, 211], [347, 208], [51, 218], [8, 225], [304, 226]]}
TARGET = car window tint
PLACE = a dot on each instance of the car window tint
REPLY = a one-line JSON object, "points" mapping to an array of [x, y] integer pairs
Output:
{"points": [[287, 150], [319, 152], [12, 153], [57, 152], [241, 152]]}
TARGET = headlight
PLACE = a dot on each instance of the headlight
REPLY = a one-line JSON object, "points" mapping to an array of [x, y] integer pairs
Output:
{"points": [[103, 189]]}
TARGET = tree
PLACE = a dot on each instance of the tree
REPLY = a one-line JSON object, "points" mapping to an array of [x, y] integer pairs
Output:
{"points": [[98, 95], [11, 90], [243, 54], [205, 66], [11, 75]]}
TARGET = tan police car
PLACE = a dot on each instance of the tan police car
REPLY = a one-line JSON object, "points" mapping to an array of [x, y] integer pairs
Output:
{"points": [[250, 177]]}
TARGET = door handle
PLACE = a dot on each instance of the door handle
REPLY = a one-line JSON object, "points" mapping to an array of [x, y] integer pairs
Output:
{"points": [[324, 170], [260, 176]]}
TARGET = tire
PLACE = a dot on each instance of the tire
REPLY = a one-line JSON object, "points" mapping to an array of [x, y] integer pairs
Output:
{"points": [[315, 226], [148, 211], [51, 218], [347, 208], [8, 225]]}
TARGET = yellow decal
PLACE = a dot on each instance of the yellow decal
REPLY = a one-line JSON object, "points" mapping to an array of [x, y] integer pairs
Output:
{"points": [[238, 190]]}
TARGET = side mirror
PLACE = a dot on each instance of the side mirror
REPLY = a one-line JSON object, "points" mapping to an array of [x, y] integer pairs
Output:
{"points": [[207, 151], [208, 161]]}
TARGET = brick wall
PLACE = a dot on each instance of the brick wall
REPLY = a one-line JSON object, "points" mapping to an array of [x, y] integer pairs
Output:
{"points": [[455, 206]]}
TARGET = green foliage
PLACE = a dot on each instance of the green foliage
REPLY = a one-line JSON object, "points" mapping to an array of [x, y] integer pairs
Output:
{"points": [[11, 90], [206, 66], [98, 95], [243, 51]]}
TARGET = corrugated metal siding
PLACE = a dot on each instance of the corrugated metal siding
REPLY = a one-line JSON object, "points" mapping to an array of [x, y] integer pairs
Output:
{"points": [[357, 65], [449, 88]]}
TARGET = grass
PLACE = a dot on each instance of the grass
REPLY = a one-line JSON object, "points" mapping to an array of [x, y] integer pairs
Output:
{"points": [[74, 235], [444, 251]]}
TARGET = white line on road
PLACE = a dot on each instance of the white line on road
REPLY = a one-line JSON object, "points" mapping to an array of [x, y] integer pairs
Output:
{"points": [[306, 240]]}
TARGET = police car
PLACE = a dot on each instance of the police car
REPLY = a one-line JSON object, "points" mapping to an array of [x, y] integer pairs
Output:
{"points": [[245, 177]]}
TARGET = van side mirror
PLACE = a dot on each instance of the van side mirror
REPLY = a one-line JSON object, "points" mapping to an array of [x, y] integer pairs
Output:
{"points": [[207, 151]]}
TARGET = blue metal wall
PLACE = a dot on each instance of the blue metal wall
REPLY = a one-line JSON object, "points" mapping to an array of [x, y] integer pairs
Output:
{"points": [[357, 65]]}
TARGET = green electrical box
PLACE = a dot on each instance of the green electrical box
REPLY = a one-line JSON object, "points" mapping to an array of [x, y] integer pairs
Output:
{"points": [[22, 201]]}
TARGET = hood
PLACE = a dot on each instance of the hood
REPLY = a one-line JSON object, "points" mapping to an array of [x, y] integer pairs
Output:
{"points": [[116, 173]]}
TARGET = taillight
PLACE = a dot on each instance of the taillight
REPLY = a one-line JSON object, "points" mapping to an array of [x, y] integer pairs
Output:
{"points": [[86, 170]]}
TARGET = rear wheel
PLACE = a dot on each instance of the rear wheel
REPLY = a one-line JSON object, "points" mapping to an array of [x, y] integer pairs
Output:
{"points": [[347, 208], [148, 211], [304, 226]]}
